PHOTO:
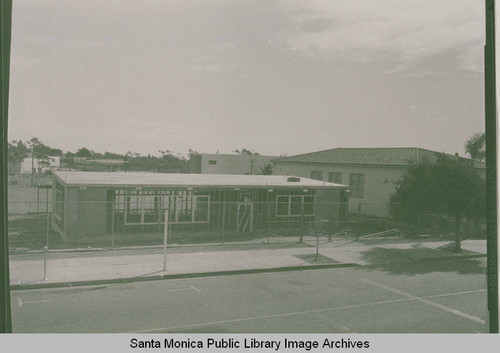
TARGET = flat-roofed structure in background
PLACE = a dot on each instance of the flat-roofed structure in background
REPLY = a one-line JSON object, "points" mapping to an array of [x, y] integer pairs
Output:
{"points": [[92, 204], [215, 163]]}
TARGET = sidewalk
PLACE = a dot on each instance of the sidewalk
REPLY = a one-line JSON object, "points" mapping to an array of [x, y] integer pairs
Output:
{"points": [[70, 268]]}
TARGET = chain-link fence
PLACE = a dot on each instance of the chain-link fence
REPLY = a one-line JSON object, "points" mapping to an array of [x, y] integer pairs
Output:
{"points": [[52, 223], [39, 217]]}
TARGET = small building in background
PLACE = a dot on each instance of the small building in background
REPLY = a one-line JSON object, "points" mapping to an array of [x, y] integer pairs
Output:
{"points": [[98, 165], [93, 204], [215, 163], [40, 165]]}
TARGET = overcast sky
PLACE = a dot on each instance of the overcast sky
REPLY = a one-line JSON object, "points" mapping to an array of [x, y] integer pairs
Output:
{"points": [[276, 77]]}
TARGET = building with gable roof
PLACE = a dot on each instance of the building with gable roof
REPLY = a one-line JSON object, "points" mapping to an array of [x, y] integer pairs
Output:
{"points": [[371, 173]]}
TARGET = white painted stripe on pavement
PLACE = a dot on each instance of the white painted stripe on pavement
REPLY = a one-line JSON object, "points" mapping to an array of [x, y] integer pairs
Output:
{"points": [[183, 289], [428, 302], [36, 301], [457, 293], [412, 298]]}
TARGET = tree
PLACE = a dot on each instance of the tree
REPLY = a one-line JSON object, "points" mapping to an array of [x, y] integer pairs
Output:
{"points": [[84, 152], [449, 186], [36, 152], [17, 150], [245, 151], [475, 147], [266, 170]]}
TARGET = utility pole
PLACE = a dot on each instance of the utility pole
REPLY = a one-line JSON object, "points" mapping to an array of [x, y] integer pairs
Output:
{"points": [[32, 161]]}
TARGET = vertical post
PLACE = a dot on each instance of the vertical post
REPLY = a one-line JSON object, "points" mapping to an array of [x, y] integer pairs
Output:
{"points": [[37, 200], [47, 216], [32, 162], [46, 247], [317, 245], [5, 39], [113, 224], [165, 233], [387, 217], [302, 227], [223, 216], [491, 168], [268, 213]]}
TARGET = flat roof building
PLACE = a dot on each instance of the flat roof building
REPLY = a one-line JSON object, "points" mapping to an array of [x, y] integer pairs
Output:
{"points": [[215, 163], [90, 204]]}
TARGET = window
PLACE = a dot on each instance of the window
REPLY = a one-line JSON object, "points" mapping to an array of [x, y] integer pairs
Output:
{"points": [[335, 177], [357, 185], [291, 205], [213, 162], [316, 175], [148, 207]]}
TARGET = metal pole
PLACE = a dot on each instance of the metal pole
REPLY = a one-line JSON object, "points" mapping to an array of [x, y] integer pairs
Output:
{"points": [[165, 233], [223, 217], [317, 245], [113, 225], [387, 217], [37, 200], [268, 215], [46, 247], [32, 162]]}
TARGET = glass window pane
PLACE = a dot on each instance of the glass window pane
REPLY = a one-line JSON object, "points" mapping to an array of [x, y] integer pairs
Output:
{"points": [[308, 205], [296, 206], [282, 209]]}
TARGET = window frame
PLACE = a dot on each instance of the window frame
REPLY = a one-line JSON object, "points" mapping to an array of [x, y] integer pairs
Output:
{"points": [[289, 207], [320, 173], [331, 180], [175, 202], [355, 180]]}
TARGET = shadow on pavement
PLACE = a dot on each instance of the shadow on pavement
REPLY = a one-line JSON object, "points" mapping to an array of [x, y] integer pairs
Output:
{"points": [[420, 260]]}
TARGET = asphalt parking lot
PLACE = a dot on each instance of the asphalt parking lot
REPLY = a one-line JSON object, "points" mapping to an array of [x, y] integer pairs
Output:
{"points": [[440, 297]]}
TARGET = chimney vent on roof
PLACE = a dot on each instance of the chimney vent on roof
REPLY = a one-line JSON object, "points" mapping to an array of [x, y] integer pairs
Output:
{"points": [[293, 179]]}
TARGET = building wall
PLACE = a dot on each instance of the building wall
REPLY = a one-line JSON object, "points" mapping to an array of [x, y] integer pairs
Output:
{"points": [[92, 211], [228, 163], [54, 163], [378, 183], [328, 205], [71, 226], [86, 212]]}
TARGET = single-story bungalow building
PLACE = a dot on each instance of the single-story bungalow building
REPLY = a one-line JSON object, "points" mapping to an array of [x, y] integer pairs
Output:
{"points": [[88, 204]]}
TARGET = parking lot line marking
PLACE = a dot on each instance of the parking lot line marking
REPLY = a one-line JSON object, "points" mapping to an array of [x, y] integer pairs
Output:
{"points": [[183, 289], [353, 306], [428, 302], [36, 301], [457, 293]]}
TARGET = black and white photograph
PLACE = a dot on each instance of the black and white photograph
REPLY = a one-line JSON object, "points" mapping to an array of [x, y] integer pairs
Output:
{"points": [[247, 167]]}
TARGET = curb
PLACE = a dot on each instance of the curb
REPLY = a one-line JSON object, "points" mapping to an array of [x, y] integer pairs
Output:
{"points": [[428, 259], [17, 287]]}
